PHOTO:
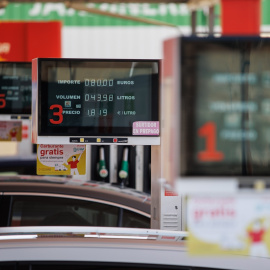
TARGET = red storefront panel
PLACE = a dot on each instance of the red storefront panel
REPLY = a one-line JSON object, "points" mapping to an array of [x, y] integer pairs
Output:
{"points": [[23, 41]]}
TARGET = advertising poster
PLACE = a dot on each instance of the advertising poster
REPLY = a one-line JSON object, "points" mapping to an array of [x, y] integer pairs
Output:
{"points": [[11, 131], [238, 224], [61, 159]]}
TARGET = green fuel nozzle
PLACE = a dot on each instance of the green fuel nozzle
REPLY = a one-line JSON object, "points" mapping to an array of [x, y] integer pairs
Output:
{"points": [[123, 173], [102, 170]]}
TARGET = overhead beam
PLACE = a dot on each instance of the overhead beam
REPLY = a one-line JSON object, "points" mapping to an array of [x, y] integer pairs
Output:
{"points": [[82, 7], [198, 4], [3, 4]]}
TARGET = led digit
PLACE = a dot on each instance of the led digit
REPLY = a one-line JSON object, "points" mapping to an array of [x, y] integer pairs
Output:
{"points": [[58, 113], [91, 112], [2, 101]]}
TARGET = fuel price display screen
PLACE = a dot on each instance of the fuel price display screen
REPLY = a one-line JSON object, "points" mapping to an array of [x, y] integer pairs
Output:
{"points": [[96, 97], [15, 88], [225, 115]]}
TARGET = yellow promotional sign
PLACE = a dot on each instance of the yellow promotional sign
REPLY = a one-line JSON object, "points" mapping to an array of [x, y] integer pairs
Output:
{"points": [[227, 225], [61, 159], [11, 131]]}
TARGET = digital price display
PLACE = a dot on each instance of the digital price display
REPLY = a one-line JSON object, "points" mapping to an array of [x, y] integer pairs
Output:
{"points": [[225, 106], [96, 101], [15, 88]]}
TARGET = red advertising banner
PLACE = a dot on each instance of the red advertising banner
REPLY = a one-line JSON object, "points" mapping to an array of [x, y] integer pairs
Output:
{"points": [[23, 41]]}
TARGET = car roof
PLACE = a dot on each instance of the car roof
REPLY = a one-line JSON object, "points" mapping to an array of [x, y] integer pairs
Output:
{"points": [[156, 248], [77, 188]]}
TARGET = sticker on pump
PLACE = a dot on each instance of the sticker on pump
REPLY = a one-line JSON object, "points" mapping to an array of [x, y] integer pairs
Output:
{"points": [[145, 128], [11, 131], [227, 225], [61, 159]]}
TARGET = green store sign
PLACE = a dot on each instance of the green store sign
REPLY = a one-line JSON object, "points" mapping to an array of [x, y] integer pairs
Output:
{"points": [[177, 14]]}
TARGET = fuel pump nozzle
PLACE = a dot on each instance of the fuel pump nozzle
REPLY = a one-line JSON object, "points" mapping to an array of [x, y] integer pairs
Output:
{"points": [[123, 173], [102, 170]]}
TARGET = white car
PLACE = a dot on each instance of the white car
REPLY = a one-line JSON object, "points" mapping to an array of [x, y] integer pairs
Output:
{"points": [[99, 248]]}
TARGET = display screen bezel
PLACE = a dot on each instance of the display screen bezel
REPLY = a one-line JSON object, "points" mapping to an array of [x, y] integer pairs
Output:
{"points": [[46, 130], [23, 110], [189, 48]]}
